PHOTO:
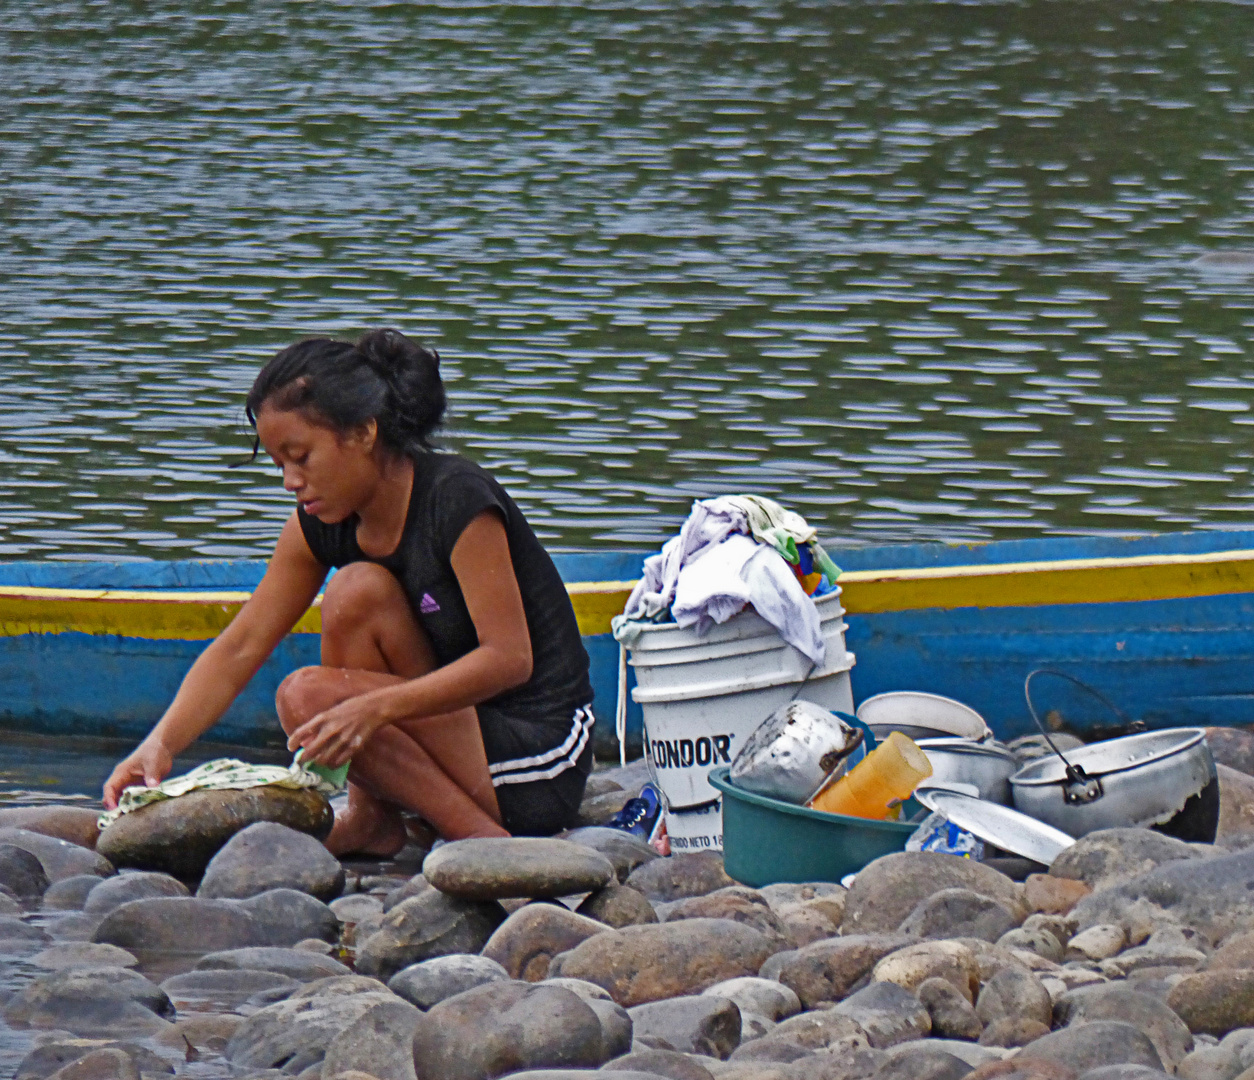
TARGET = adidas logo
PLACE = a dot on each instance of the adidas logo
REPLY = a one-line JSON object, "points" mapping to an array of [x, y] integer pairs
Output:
{"points": [[428, 606]]}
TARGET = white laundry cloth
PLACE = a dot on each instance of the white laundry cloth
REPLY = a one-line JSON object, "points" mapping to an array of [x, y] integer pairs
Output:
{"points": [[740, 571]]}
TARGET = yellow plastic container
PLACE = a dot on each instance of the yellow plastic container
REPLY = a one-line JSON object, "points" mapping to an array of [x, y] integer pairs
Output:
{"points": [[888, 774]]}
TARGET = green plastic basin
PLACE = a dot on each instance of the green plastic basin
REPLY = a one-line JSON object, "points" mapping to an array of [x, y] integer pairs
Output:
{"points": [[766, 841]]}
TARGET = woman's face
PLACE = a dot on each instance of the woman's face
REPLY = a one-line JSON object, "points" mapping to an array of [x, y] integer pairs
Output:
{"points": [[331, 473]]}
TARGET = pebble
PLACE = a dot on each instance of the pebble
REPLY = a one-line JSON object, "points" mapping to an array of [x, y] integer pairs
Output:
{"points": [[953, 1015], [226, 987], [285, 916], [1233, 747], [99, 1000], [22, 874], [428, 983], [296, 963], [507, 1026], [624, 851], [923, 1064], [83, 954], [115, 891], [1110, 857], [680, 877], [179, 924], [950, 913], [1210, 1063], [825, 1029], [104, 1064], [59, 858], [888, 1013], [180, 836], [690, 1024], [1053, 894], [379, 1043], [61, 1050], [618, 906], [764, 997], [1038, 941], [596, 810], [1214, 1002], [1097, 943], [491, 868], [1116, 1001], [1092, 1045], [828, 970], [429, 924], [415, 886], [526, 942], [70, 894], [912, 966], [1012, 1032], [735, 902], [889, 889], [1014, 993], [74, 824], [359, 907], [639, 964], [659, 1063], [267, 855]]}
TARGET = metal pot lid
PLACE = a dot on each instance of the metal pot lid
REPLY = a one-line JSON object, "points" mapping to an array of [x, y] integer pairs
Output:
{"points": [[1110, 756], [967, 747], [996, 824]]}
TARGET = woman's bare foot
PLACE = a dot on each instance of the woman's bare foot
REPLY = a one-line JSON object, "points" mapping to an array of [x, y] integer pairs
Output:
{"points": [[367, 827]]}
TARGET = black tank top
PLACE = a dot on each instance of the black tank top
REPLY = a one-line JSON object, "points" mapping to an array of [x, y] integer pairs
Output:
{"points": [[448, 493]]}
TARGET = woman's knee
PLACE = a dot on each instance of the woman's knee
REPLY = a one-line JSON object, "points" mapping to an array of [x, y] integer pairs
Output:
{"points": [[356, 594], [301, 696]]}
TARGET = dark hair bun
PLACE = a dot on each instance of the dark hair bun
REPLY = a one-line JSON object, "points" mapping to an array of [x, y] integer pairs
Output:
{"points": [[386, 377]]}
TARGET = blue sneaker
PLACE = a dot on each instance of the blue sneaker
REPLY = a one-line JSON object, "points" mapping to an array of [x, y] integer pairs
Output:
{"points": [[639, 815]]}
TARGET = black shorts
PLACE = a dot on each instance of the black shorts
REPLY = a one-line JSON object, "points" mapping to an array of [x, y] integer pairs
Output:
{"points": [[539, 768]]}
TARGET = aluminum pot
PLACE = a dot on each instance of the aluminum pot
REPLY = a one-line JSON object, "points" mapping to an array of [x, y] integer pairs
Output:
{"points": [[794, 751], [914, 713], [1137, 780], [987, 766]]}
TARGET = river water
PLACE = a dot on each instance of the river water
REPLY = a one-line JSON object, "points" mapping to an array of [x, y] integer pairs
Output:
{"points": [[918, 270]]}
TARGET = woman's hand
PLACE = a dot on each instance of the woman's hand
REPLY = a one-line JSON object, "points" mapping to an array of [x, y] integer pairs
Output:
{"points": [[149, 764], [332, 737]]}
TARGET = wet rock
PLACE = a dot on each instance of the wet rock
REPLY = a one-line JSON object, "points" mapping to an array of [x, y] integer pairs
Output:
{"points": [[428, 983], [90, 1001], [80, 954], [59, 858], [680, 877], [267, 855], [104, 1064], [889, 889], [285, 916], [1112, 856], [415, 886], [74, 824], [1014, 993], [639, 964], [953, 1016], [299, 964], [1214, 1002], [22, 873], [427, 925], [58, 1051], [496, 868], [689, 1024], [1233, 747], [828, 970], [357, 908], [887, 1013], [13, 929], [1097, 943], [624, 851], [300, 1028], [1013, 1031], [1040, 942], [179, 924], [810, 921], [735, 903], [504, 1027], [69, 894], [380, 1042], [923, 1064], [526, 942], [1210, 1063], [226, 988], [952, 913], [661, 1063], [1053, 895], [1092, 1045], [113, 892], [912, 966], [618, 906], [1168, 1033], [72, 926], [765, 997], [180, 836]]}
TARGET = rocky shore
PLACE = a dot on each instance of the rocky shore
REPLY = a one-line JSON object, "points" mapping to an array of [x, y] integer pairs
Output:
{"points": [[254, 953]]}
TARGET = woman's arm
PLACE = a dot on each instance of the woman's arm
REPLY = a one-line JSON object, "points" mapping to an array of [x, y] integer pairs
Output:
{"points": [[288, 588], [485, 572]]}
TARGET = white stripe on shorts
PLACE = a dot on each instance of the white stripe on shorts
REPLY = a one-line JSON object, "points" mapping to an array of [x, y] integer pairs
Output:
{"points": [[559, 759]]}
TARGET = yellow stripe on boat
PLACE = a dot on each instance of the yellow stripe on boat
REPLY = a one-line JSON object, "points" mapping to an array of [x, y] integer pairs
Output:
{"points": [[159, 614]]}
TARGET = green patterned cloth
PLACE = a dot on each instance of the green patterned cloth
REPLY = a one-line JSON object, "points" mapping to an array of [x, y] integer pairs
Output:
{"points": [[222, 774]]}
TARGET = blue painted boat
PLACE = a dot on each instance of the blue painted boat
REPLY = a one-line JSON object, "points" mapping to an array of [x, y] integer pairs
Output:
{"points": [[1163, 625]]}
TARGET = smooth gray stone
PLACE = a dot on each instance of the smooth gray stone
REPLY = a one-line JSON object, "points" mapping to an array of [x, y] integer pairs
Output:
{"points": [[115, 891], [380, 1042], [427, 925], [694, 1024], [226, 988], [267, 856], [428, 983], [298, 1025], [299, 964], [90, 1001], [22, 873], [286, 916], [1092, 1045], [888, 1013], [492, 868], [70, 894], [1119, 1001], [59, 858]]}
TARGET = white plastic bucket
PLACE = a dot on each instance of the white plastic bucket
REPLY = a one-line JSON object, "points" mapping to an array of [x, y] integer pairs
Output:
{"points": [[702, 696]]}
